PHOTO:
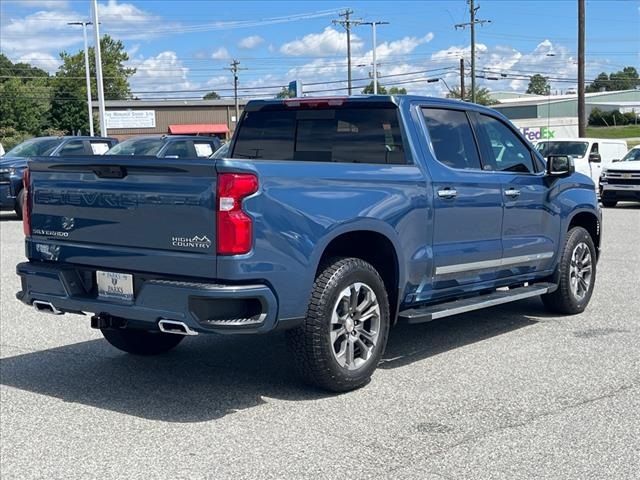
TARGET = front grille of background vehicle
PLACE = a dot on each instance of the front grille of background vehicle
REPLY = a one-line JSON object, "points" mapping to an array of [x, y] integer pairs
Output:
{"points": [[4, 177], [623, 178]]}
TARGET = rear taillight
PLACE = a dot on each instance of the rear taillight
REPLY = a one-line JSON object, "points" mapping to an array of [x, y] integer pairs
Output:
{"points": [[235, 227], [26, 203]]}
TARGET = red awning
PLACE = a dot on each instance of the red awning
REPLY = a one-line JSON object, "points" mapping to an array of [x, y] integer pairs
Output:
{"points": [[198, 128]]}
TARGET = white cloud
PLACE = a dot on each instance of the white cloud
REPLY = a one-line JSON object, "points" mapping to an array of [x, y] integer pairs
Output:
{"points": [[41, 60], [388, 50], [163, 72], [329, 42], [251, 42], [220, 54], [39, 31]]}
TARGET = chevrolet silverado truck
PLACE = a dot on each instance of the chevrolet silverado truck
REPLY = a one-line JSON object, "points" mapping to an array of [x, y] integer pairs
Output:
{"points": [[621, 180], [330, 218]]}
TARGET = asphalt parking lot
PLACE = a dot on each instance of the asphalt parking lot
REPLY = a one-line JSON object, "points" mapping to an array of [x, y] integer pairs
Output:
{"points": [[509, 392]]}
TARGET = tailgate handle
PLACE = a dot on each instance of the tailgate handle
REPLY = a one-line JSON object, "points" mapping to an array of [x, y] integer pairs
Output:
{"points": [[110, 171]]}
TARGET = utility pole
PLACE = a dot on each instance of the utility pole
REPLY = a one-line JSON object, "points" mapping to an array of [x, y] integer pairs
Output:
{"points": [[472, 24], [462, 79], [234, 69], [99, 82], [86, 71], [375, 62], [581, 112], [347, 23]]}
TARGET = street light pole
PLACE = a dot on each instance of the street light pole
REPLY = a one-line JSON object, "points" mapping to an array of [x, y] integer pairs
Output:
{"points": [[86, 71], [99, 81], [375, 62]]}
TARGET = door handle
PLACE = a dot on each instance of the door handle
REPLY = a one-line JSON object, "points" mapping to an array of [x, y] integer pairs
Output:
{"points": [[512, 192], [447, 193]]}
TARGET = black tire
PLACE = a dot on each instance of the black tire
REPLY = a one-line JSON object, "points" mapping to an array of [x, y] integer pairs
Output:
{"points": [[311, 344], [564, 300], [609, 203], [141, 342], [19, 203]]}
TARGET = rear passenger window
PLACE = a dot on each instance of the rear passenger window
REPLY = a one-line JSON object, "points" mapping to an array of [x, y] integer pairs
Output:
{"points": [[348, 135], [72, 148], [452, 138], [503, 150], [178, 149]]}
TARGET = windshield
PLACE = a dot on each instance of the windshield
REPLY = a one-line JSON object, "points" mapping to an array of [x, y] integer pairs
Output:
{"points": [[36, 147], [577, 149], [137, 146], [632, 155]]}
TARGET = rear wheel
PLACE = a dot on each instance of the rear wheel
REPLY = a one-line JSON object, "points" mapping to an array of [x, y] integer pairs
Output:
{"points": [[19, 203], [576, 274], [141, 342], [345, 332], [609, 203]]}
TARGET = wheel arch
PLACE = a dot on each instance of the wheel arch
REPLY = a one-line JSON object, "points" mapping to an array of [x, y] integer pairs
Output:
{"points": [[374, 246], [588, 220]]}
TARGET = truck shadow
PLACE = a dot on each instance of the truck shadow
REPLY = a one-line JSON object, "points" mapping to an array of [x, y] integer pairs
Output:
{"points": [[209, 377]]}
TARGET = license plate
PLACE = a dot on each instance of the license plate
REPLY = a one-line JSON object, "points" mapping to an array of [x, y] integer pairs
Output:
{"points": [[626, 175], [115, 286]]}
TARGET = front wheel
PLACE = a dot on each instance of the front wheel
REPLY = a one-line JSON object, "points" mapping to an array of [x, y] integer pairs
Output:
{"points": [[576, 274], [345, 331], [141, 342]]}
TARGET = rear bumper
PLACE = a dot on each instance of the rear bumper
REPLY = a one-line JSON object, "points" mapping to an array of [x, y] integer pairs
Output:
{"points": [[204, 307]]}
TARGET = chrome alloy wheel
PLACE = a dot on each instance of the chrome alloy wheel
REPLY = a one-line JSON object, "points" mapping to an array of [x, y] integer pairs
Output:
{"points": [[355, 326], [581, 270]]}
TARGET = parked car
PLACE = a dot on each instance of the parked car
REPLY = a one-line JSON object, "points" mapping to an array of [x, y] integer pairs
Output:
{"points": [[621, 180], [168, 146], [332, 218], [14, 162], [590, 155]]}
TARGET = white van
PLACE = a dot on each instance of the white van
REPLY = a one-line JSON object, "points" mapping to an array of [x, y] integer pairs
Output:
{"points": [[590, 155]]}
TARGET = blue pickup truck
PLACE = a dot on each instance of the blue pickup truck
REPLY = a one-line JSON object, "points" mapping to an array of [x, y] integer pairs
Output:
{"points": [[331, 218]]}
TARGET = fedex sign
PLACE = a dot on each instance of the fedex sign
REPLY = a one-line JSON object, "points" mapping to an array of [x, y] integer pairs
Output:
{"points": [[537, 133]]}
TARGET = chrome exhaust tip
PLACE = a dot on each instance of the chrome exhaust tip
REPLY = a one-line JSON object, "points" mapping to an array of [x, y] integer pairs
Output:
{"points": [[46, 307], [175, 327]]}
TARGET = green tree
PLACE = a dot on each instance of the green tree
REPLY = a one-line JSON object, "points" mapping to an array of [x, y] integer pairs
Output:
{"points": [[211, 96], [538, 85], [22, 71], [285, 93], [483, 95], [368, 90], [397, 91], [69, 108], [625, 79]]}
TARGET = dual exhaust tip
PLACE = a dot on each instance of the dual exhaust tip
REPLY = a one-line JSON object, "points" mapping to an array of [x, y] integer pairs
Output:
{"points": [[46, 307], [166, 326], [175, 327]]}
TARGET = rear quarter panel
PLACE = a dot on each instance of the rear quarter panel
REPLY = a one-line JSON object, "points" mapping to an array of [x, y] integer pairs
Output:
{"points": [[302, 206]]}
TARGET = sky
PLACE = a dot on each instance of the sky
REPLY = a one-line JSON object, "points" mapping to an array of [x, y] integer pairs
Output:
{"points": [[182, 49]]}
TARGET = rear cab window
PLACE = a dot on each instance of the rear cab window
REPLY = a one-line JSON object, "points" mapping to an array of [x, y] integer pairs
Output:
{"points": [[347, 134]]}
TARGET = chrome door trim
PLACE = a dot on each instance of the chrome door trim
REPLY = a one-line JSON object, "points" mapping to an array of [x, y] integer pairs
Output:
{"points": [[485, 264]]}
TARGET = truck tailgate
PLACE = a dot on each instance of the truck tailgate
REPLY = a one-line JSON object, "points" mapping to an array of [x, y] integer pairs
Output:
{"points": [[125, 213]]}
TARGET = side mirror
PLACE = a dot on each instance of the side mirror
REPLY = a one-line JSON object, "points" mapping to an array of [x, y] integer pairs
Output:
{"points": [[559, 165], [615, 160], [595, 158]]}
